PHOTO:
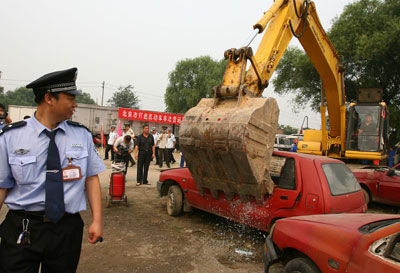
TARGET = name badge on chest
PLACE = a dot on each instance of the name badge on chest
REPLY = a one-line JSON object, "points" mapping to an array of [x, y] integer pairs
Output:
{"points": [[71, 173]]}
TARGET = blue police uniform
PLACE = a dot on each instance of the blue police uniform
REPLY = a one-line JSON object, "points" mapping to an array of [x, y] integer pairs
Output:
{"points": [[23, 155], [43, 226]]}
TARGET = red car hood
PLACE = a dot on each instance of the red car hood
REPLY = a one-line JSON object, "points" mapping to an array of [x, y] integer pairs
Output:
{"points": [[178, 172], [349, 221]]}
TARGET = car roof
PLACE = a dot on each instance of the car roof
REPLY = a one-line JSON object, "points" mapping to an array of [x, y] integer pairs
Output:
{"points": [[344, 220], [308, 156]]}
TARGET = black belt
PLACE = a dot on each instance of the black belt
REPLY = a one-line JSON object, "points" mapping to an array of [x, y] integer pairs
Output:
{"points": [[35, 215]]}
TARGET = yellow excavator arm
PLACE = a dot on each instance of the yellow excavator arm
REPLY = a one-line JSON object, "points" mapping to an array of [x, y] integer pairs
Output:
{"points": [[280, 23]]}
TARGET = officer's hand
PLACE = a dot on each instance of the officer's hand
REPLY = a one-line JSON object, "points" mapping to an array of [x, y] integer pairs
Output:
{"points": [[95, 232]]}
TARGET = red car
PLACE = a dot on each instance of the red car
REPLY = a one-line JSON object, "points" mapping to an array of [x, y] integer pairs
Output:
{"points": [[380, 184], [304, 184], [352, 243]]}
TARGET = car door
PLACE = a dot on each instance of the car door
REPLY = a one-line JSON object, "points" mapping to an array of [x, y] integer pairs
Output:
{"points": [[287, 188], [389, 186]]}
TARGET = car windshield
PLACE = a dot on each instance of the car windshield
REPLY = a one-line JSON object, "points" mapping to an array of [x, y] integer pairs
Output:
{"points": [[340, 179]]}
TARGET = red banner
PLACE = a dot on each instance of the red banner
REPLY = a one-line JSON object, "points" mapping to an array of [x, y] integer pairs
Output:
{"points": [[149, 116]]}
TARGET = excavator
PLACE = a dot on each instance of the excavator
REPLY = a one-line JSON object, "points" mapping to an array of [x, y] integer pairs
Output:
{"points": [[228, 140]]}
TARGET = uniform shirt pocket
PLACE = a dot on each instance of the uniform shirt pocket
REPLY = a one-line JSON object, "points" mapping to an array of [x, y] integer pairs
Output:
{"points": [[79, 159], [23, 168]]}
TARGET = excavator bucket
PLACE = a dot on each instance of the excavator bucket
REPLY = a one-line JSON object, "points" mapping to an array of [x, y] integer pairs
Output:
{"points": [[228, 145]]}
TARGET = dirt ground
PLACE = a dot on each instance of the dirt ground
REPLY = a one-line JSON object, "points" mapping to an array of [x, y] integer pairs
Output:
{"points": [[142, 238]]}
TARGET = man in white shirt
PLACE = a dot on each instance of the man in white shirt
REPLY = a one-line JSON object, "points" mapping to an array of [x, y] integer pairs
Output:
{"points": [[162, 148], [155, 136], [112, 136], [171, 146], [128, 131], [123, 147]]}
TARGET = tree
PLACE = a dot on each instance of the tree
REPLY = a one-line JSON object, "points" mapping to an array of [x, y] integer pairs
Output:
{"points": [[367, 35], [192, 80], [287, 129], [125, 97], [85, 98], [20, 96], [25, 97]]}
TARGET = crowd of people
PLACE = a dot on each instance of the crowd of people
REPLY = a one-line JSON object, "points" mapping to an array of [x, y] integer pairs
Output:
{"points": [[145, 147]]}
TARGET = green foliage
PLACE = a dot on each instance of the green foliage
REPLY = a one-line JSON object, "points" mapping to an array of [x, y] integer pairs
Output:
{"points": [[287, 129], [297, 74], [192, 80], [367, 34], [85, 98], [25, 97], [20, 96], [125, 97]]}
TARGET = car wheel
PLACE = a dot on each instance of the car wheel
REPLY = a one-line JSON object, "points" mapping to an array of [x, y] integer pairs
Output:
{"points": [[175, 201], [301, 265], [366, 196]]}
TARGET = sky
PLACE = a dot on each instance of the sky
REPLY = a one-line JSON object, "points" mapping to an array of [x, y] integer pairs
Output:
{"points": [[134, 42]]}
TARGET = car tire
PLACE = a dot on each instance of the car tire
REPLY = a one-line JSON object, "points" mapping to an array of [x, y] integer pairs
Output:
{"points": [[174, 201], [366, 196], [301, 265]]}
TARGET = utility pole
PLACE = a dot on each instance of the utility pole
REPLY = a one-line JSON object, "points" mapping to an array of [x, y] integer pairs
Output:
{"points": [[102, 93]]}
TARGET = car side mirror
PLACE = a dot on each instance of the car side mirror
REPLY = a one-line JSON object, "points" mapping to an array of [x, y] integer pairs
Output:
{"points": [[390, 172]]}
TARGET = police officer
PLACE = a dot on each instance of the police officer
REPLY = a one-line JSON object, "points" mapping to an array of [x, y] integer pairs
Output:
{"points": [[47, 165]]}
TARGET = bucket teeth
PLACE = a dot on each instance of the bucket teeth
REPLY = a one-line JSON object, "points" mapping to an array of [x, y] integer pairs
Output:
{"points": [[228, 146]]}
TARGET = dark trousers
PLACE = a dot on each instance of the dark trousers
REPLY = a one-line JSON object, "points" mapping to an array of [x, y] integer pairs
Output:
{"points": [[144, 159], [171, 155], [163, 155], [130, 159], [123, 158], [108, 148], [157, 156], [56, 246]]}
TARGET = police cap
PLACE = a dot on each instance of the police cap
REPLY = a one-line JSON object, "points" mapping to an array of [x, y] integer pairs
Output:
{"points": [[59, 81]]}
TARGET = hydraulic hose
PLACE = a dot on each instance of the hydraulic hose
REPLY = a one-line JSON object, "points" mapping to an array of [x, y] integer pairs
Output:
{"points": [[304, 15]]}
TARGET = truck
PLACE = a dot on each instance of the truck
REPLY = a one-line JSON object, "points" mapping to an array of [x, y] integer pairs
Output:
{"points": [[303, 185]]}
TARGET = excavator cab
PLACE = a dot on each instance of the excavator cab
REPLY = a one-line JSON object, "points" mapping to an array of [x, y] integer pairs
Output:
{"points": [[367, 128], [368, 124]]}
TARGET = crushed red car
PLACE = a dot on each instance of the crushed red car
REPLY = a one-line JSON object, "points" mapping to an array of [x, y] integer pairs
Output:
{"points": [[358, 243], [380, 184], [304, 185]]}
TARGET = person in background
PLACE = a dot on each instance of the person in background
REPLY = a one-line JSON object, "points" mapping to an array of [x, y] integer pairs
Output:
{"points": [[123, 147], [26, 117], [128, 131], [171, 146], [4, 118], [48, 169], [182, 160], [155, 135], [391, 155], [294, 146], [112, 137], [144, 152], [162, 149]]}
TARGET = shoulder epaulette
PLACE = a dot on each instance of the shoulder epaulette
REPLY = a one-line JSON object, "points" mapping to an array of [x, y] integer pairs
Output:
{"points": [[77, 124], [13, 125]]}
